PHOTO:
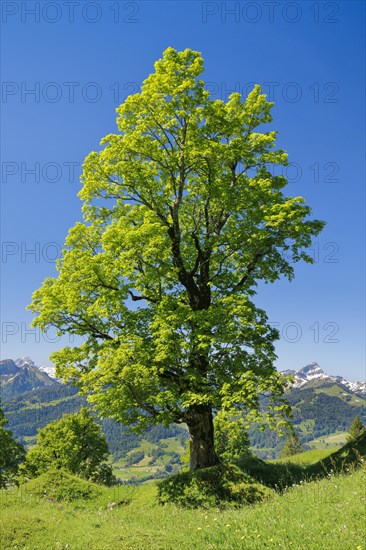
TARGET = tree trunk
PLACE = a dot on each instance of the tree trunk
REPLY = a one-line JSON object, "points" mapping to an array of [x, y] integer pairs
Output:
{"points": [[202, 448]]}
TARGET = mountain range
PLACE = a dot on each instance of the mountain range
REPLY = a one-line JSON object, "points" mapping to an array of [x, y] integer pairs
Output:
{"points": [[22, 375], [314, 372], [323, 408]]}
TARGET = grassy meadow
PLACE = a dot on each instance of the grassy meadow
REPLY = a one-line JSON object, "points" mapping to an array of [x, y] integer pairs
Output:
{"points": [[322, 514]]}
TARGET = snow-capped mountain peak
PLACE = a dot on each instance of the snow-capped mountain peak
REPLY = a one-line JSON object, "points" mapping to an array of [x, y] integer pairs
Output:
{"points": [[51, 371], [313, 371], [24, 361], [27, 362]]}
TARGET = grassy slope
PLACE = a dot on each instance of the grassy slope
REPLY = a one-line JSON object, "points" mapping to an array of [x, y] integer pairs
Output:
{"points": [[307, 457], [330, 441], [143, 468], [319, 515]]}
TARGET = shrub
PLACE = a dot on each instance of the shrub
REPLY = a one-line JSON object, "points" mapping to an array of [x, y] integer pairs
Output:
{"points": [[11, 453], [58, 485], [231, 439], [223, 485], [74, 443]]}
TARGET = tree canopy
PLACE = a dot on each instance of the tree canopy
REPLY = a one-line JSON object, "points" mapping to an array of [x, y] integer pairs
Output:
{"points": [[183, 215], [73, 443], [231, 439], [356, 429], [11, 453], [292, 445]]}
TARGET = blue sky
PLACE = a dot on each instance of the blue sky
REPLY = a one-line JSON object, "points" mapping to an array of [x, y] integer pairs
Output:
{"points": [[67, 66]]}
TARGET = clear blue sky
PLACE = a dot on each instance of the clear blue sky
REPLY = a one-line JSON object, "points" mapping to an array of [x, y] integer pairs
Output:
{"points": [[81, 59]]}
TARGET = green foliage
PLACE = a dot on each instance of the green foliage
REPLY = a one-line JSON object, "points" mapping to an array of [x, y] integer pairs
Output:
{"points": [[134, 457], [74, 443], [11, 453], [222, 486], [356, 429], [60, 485], [292, 445], [183, 215], [231, 438]]}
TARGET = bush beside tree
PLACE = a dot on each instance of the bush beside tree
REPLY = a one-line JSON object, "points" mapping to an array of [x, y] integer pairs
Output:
{"points": [[76, 444], [11, 453]]}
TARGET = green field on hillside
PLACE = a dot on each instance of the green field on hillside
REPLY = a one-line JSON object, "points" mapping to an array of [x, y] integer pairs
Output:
{"points": [[321, 514], [307, 457], [151, 465], [308, 504], [329, 442]]}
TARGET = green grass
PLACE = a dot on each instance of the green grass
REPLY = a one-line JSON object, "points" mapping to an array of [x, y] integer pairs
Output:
{"points": [[328, 511], [143, 468], [335, 439], [318, 515], [307, 457]]}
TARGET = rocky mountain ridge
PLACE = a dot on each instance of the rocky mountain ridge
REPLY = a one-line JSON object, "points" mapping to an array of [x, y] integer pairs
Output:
{"points": [[313, 372], [21, 376]]}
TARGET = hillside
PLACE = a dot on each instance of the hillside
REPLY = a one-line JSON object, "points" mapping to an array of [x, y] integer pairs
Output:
{"points": [[153, 454], [20, 376], [323, 409], [325, 513]]}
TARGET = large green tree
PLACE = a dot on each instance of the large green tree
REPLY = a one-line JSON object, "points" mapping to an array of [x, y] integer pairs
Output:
{"points": [[182, 216]]}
